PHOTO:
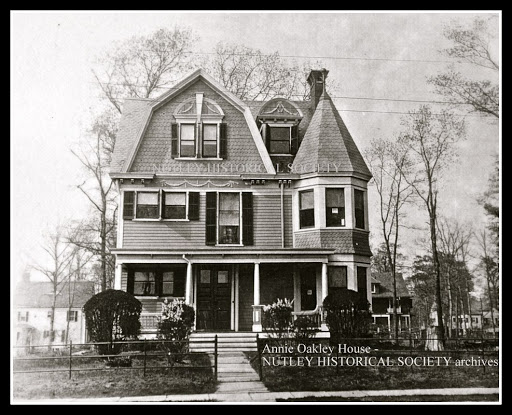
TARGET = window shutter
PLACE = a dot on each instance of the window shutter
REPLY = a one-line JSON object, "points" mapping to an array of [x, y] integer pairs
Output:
{"points": [[211, 218], [223, 141], [129, 282], [193, 206], [128, 205], [247, 219], [295, 139], [174, 140]]}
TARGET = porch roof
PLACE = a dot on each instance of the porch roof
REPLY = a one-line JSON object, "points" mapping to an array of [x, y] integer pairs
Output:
{"points": [[234, 255]]}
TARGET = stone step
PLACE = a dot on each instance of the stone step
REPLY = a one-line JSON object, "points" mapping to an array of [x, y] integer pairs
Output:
{"points": [[240, 387], [223, 350], [223, 334], [235, 369], [237, 377]]}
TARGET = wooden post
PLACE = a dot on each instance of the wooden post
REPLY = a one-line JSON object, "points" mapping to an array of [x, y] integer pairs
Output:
{"points": [[216, 358], [145, 353], [70, 356], [258, 348]]}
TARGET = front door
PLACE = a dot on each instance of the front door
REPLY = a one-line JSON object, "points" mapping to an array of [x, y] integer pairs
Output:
{"points": [[308, 288], [214, 298]]}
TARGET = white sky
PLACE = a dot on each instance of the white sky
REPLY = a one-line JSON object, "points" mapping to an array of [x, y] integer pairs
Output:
{"points": [[53, 94]]}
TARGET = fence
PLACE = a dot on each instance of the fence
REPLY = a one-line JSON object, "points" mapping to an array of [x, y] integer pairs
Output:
{"points": [[83, 357], [457, 348]]}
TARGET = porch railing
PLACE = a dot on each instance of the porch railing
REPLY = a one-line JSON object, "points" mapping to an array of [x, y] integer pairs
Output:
{"points": [[315, 316]]}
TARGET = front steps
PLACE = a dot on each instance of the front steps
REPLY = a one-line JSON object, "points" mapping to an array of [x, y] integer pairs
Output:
{"points": [[227, 342]]}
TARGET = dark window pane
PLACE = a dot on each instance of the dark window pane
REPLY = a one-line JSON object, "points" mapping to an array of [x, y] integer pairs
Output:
{"points": [[307, 218], [279, 147], [334, 197], [175, 212], [187, 149], [359, 208], [144, 283], [209, 149], [147, 212], [280, 140], [229, 234], [337, 277]]}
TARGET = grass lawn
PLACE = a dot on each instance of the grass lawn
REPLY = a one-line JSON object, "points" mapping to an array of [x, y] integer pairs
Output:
{"points": [[183, 379], [418, 398], [279, 378]]}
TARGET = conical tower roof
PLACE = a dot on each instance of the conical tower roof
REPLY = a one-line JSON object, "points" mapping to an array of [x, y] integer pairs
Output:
{"points": [[327, 142]]}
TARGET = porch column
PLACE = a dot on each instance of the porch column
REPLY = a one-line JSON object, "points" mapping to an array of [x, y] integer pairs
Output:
{"points": [[256, 307], [325, 292], [118, 276], [188, 285]]}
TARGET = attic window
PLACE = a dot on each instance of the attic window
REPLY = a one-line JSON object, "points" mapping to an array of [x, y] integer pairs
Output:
{"points": [[198, 132]]}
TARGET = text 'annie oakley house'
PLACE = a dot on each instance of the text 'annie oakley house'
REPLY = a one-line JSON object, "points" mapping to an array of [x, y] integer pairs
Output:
{"points": [[231, 204]]}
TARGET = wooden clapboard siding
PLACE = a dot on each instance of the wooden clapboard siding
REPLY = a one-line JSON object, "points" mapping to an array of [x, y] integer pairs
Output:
{"points": [[124, 280], [191, 234], [246, 296], [267, 220], [166, 234], [151, 305]]}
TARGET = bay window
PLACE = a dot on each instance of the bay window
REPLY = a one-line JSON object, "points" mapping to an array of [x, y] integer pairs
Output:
{"points": [[307, 209], [359, 208], [334, 207]]}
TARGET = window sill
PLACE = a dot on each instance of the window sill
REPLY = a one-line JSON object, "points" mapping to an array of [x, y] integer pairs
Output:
{"points": [[145, 219], [198, 158], [146, 297], [158, 220], [175, 220], [311, 228], [228, 245]]}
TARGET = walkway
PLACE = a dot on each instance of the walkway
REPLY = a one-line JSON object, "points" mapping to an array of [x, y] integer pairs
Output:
{"points": [[263, 397]]}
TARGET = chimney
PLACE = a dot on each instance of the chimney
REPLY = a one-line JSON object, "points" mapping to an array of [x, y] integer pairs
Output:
{"points": [[316, 81]]}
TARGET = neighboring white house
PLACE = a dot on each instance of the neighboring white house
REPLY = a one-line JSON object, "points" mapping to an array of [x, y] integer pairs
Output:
{"points": [[33, 312]]}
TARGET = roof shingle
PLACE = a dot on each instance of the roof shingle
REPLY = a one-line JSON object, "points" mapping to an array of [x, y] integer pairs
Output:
{"points": [[327, 142]]}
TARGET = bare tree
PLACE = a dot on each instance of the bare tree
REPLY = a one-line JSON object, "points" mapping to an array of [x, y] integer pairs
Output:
{"points": [[140, 66], [252, 75], [454, 241], [491, 271], [77, 265], [471, 45], [95, 234], [387, 164], [429, 141], [59, 255]]}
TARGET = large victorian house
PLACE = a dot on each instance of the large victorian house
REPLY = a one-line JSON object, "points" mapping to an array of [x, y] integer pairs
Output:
{"points": [[231, 204]]}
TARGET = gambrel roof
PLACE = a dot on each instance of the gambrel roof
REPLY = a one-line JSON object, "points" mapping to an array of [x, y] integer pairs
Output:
{"points": [[137, 115]]}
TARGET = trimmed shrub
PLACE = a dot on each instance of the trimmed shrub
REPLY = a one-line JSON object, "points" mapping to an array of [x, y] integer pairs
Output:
{"points": [[277, 321], [111, 316], [347, 315], [176, 325], [304, 328]]}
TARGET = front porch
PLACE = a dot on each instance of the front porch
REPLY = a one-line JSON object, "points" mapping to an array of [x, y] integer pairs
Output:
{"points": [[228, 291]]}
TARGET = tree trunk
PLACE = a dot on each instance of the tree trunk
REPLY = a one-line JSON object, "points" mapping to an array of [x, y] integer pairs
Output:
{"points": [[468, 299], [450, 303], [103, 236], [437, 268], [491, 303]]}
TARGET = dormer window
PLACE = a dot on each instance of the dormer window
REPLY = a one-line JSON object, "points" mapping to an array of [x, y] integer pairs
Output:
{"points": [[198, 132], [279, 120]]}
